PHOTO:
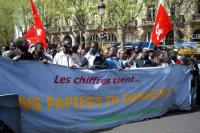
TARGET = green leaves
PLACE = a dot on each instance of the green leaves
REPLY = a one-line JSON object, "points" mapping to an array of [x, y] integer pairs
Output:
{"points": [[7, 21], [124, 12]]}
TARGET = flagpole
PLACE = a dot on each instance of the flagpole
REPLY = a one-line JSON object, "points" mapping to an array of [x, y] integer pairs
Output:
{"points": [[151, 33], [149, 44]]}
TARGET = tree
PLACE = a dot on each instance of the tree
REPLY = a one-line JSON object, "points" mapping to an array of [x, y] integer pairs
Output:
{"points": [[122, 14], [66, 15], [80, 13], [23, 15], [7, 22], [49, 12]]}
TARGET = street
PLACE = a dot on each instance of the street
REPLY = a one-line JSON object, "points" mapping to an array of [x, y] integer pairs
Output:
{"points": [[173, 122]]}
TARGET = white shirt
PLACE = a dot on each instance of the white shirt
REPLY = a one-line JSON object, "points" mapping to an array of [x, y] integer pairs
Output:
{"points": [[164, 64], [76, 59], [65, 59], [5, 54], [91, 58]]}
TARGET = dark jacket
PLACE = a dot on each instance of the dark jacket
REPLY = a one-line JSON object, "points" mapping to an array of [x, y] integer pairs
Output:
{"points": [[99, 62], [144, 63]]}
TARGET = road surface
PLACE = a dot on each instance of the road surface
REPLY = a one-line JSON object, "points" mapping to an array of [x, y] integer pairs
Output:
{"points": [[174, 122]]}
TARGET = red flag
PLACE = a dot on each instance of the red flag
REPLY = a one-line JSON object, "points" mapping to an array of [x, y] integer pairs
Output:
{"points": [[31, 35], [162, 26], [40, 31]]}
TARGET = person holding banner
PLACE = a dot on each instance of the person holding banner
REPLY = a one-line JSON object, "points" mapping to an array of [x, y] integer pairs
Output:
{"points": [[144, 60], [38, 54], [66, 57], [93, 59], [22, 50], [11, 52], [113, 61]]}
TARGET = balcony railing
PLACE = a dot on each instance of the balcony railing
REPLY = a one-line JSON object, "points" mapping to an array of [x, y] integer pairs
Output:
{"points": [[95, 26]]}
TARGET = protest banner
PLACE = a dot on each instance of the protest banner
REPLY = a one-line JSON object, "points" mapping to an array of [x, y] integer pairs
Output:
{"points": [[59, 99]]}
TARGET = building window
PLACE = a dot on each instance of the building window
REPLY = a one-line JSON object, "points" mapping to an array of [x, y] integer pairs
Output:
{"points": [[151, 13], [130, 38], [95, 38], [147, 37], [111, 38], [169, 40]]}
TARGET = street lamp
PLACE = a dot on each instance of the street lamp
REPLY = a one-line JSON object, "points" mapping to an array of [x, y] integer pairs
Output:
{"points": [[101, 9], [46, 26], [174, 24]]}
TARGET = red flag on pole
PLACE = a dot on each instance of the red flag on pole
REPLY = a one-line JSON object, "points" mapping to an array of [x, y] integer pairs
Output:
{"points": [[31, 35], [162, 26], [40, 31]]}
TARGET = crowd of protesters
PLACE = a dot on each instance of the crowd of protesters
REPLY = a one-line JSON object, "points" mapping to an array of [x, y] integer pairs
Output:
{"points": [[93, 57]]}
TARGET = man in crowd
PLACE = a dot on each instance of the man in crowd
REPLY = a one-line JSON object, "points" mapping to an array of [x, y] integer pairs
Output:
{"points": [[38, 54], [144, 61], [3, 49], [22, 50], [123, 56], [93, 59], [161, 59], [113, 61], [11, 53], [131, 64], [66, 57], [138, 51]]}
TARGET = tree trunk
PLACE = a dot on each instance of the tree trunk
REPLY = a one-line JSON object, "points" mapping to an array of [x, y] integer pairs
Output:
{"points": [[123, 38]]}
